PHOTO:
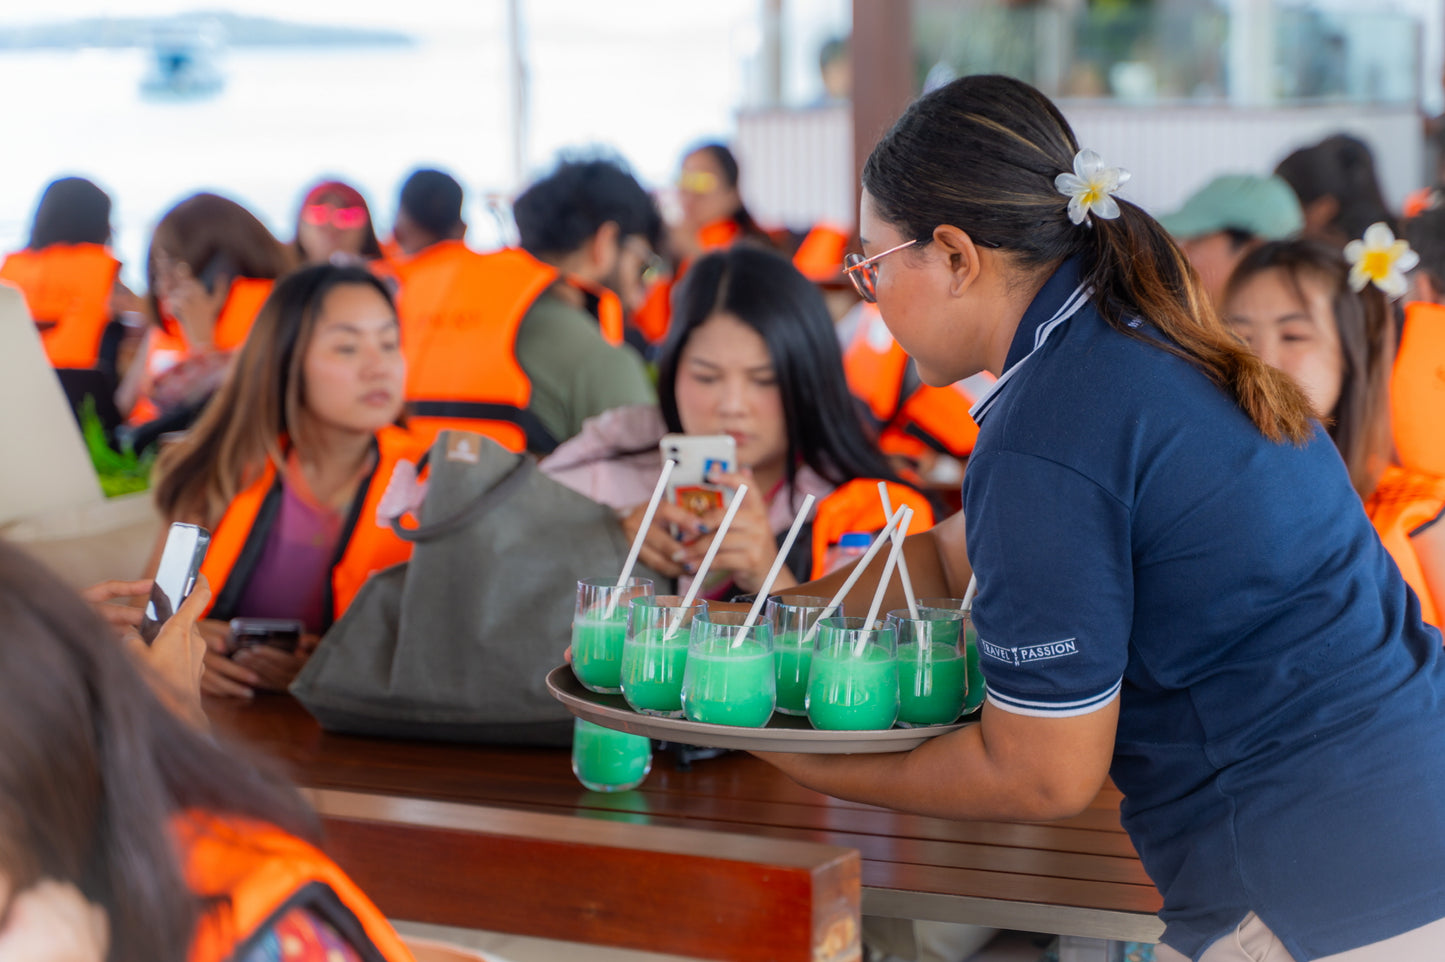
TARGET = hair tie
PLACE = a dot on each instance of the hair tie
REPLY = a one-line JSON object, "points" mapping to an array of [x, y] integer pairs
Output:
{"points": [[1381, 260], [1090, 188]]}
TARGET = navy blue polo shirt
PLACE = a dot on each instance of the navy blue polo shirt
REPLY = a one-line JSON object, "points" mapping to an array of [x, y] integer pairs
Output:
{"points": [[1281, 738]]}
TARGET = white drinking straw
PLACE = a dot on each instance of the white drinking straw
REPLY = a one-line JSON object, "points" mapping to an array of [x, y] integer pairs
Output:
{"points": [[902, 529], [702, 569], [857, 573], [902, 561], [667, 467], [762, 597], [969, 592]]}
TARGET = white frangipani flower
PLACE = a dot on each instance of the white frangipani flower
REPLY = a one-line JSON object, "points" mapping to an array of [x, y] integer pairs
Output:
{"points": [[1090, 187], [1380, 259]]}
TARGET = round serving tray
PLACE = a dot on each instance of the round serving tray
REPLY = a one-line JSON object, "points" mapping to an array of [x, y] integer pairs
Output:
{"points": [[784, 733]]}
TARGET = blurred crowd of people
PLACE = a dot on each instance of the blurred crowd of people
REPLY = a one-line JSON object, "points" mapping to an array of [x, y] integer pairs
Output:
{"points": [[283, 381]]}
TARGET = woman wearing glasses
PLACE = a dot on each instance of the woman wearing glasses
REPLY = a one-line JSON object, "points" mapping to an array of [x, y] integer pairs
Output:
{"points": [[1176, 584], [334, 226], [753, 355]]}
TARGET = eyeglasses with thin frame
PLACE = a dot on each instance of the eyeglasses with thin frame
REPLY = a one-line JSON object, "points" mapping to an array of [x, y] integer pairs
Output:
{"points": [[863, 271]]}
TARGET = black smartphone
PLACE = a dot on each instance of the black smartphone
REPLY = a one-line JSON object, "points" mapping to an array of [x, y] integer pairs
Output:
{"points": [[282, 633], [185, 549]]}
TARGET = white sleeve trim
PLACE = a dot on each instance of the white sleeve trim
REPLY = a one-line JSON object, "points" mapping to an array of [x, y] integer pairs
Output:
{"points": [[1049, 709]]}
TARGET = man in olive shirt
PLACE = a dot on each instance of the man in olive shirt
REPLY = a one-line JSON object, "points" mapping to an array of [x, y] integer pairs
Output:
{"points": [[592, 221], [452, 318]]}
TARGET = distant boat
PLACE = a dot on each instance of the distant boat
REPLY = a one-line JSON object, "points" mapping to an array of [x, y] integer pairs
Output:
{"points": [[185, 61]]}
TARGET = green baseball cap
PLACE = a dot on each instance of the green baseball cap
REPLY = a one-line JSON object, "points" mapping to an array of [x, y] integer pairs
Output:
{"points": [[1263, 206]]}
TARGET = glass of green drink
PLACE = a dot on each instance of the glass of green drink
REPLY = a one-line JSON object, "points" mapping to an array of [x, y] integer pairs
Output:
{"points": [[792, 618], [853, 682], [654, 652], [976, 692], [598, 629], [605, 760], [932, 674], [729, 678]]}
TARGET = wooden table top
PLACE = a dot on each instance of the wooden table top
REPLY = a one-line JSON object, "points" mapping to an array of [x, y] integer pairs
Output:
{"points": [[1079, 876]]}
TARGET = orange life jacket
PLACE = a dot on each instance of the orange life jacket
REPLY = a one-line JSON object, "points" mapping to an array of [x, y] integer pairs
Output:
{"points": [[1417, 390], [460, 313], [820, 256], [654, 317], [1402, 504], [248, 875], [855, 506], [166, 345], [365, 548], [910, 421], [67, 288]]}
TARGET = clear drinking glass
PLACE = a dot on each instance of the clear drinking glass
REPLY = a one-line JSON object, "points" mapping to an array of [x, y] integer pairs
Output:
{"points": [[598, 629], [932, 672], [853, 681], [976, 691], [654, 653], [792, 618], [605, 760], [729, 678]]}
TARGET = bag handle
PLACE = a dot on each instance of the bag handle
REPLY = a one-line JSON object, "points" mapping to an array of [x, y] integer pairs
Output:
{"points": [[509, 484]]}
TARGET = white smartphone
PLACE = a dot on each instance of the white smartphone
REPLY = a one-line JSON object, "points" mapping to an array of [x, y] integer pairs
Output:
{"points": [[185, 549], [697, 455]]}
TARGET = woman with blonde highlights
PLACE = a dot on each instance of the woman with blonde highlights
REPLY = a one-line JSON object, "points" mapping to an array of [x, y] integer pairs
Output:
{"points": [[1176, 585]]}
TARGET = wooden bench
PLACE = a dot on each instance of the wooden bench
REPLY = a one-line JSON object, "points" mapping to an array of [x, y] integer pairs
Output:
{"points": [[669, 890]]}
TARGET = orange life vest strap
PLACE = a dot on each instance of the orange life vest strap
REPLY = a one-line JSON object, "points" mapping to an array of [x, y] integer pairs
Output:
{"points": [[67, 289], [874, 365], [248, 874], [238, 314], [820, 256], [1403, 504], [238, 539], [1417, 390], [855, 506], [366, 547], [939, 417], [460, 312], [654, 317]]}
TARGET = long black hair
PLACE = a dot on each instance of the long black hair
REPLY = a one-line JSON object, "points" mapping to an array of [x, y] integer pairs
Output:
{"points": [[93, 767], [71, 211], [766, 292]]}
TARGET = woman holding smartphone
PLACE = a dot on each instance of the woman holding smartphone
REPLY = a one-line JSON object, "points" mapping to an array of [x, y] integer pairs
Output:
{"points": [[287, 464], [1177, 586], [751, 355]]}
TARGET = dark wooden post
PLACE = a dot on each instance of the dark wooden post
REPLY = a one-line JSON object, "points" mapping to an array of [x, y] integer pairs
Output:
{"points": [[883, 72]]}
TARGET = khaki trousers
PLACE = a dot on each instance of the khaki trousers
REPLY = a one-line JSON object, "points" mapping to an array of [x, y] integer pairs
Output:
{"points": [[1252, 941]]}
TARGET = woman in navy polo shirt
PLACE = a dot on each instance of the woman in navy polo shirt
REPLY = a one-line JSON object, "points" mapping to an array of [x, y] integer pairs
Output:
{"points": [[1242, 655]]}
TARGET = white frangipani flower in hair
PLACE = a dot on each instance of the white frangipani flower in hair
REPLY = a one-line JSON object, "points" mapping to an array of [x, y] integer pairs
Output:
{"points": [[1090, 187], [1381, 260]]}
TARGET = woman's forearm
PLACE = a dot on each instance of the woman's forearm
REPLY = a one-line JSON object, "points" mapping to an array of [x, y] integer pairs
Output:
{"points": [[1008, 767]]}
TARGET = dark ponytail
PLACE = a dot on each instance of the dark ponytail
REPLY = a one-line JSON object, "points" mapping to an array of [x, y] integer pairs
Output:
{"points": [[1343, 168], [981, 154]]}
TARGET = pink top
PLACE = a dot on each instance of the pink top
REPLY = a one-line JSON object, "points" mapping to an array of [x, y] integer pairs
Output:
{"points": [[290, 578]]}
